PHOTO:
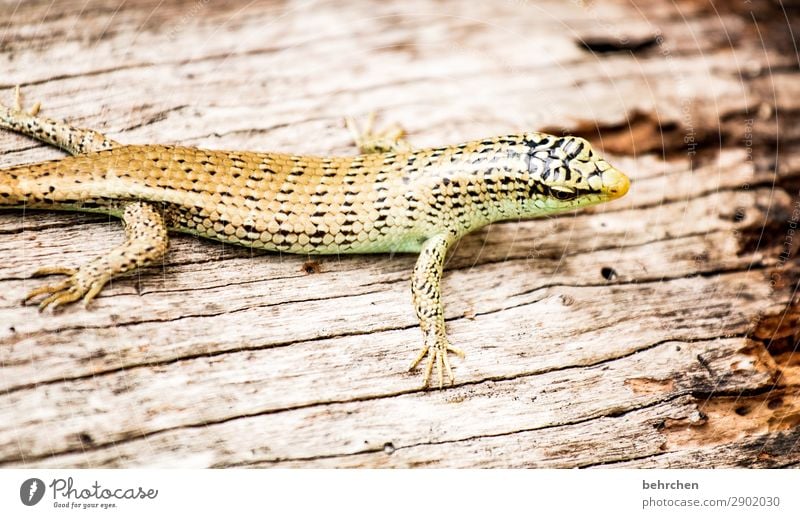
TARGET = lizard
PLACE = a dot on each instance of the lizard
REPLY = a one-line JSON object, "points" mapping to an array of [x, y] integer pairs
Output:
{"points": [[390, 198]]}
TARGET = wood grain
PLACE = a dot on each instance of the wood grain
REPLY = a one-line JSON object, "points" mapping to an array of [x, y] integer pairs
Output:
{"points": [[657, 331]]}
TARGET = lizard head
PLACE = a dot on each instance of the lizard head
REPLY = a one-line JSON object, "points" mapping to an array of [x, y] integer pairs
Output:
{"points": [[565, 173]]}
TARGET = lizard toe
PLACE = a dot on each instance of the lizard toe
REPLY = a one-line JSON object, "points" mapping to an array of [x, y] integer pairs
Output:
{"points": [[83, 283], [437, 354]]}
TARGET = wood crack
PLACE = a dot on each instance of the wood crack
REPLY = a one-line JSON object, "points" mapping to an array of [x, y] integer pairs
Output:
{"points": [[660, 280], [474, 437]]}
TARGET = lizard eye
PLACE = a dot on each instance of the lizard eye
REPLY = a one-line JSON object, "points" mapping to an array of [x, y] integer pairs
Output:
{"points": [[562, 193]]}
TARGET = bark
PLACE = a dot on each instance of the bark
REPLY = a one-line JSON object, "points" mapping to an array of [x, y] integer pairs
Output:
{"points": [[656, 331]]}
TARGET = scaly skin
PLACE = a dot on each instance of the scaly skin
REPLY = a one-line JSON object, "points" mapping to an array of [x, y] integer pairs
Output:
{"points": [[388, 199]]}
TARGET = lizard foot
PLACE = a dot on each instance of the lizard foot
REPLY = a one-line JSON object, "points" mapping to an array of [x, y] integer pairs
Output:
{"points": [[381, 141], [85, 282], [15, 118], [437, 354], [17, 107]]}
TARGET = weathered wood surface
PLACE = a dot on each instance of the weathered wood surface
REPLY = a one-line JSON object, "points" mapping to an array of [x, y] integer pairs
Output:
{"points": [[655, 331]]}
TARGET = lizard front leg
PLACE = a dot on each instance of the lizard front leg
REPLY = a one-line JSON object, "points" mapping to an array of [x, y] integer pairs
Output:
{"points": [[426, 294], [58, 133], [146, 243], [427, 276]]}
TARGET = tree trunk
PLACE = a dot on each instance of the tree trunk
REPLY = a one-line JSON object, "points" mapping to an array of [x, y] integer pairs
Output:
{"points": [[657, 331]]}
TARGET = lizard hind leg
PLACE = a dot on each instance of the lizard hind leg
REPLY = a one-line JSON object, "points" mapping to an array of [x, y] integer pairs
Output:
{"points": [[146, 243], [58, 133], [388, 139]]}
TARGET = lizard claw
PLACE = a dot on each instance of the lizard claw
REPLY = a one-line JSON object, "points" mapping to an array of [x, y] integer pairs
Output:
{"points": [[437, 354]]}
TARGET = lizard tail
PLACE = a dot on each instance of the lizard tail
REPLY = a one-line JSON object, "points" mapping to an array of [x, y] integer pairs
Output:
{"points": [[55, 184], [11, 194]]}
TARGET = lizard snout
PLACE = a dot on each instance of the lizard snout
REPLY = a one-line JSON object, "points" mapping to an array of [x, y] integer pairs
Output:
{"points": [[615, 183]]}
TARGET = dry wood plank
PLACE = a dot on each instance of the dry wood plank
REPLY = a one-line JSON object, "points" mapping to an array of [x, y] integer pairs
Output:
{"points": [[653, 332], [383, 427]]}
